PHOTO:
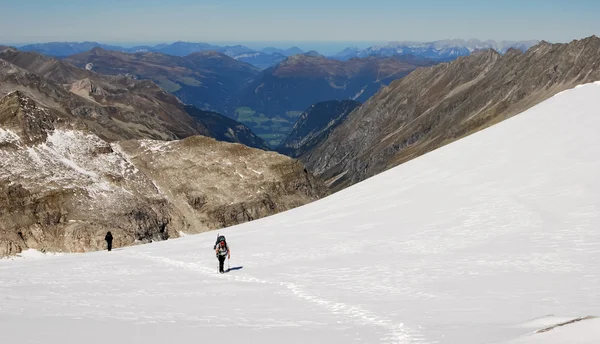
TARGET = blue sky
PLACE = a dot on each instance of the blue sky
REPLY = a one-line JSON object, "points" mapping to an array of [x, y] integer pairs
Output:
{"points": [[111, 21]]}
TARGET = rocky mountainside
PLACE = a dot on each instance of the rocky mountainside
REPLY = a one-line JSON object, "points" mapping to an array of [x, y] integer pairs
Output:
{"points": [[314, 78], [115, 107], [271, 102], [444, 50], [259, 59], [63, 187], [314, 126], [437, 105], [223, 184], [207, 80]]}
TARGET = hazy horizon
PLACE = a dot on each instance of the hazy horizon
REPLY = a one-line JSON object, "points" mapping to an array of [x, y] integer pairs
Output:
{"points": [[304, 45], [323, 47], [314, 21]]}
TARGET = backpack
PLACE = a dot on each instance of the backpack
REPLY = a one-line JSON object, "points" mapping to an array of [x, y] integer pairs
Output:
{"points": [[219, 239]]}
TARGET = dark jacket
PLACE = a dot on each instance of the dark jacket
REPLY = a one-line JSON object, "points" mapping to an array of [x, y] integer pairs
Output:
{"points": [[108, 237]]}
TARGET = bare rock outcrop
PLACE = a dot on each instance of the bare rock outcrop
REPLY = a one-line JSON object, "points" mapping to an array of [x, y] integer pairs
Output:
{"points": [[220, 184]]}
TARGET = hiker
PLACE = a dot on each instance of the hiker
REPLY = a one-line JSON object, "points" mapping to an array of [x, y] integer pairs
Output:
{"points": [[222, 251], [108, 239]]}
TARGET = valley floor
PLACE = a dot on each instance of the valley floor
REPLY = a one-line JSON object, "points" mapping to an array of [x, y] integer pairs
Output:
{"points": [[481, 241]]}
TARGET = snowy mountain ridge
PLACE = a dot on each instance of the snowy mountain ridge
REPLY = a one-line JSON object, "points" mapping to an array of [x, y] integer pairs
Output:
{"points": [[475, 242], [439, 50]]}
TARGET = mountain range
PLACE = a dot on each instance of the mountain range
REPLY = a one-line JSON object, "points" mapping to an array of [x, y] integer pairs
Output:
{"points": [[442, 50], [208, 80], [347, 121], [267, 101], [262, 58], [273, 99], [266, 94]]}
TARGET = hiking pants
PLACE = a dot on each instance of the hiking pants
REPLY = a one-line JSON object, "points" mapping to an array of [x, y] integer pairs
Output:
{"points": [[221, 263], [109, 245]]}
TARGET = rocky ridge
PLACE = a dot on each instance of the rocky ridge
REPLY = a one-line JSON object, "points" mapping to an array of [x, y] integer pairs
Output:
{"points": [[436, 105]]}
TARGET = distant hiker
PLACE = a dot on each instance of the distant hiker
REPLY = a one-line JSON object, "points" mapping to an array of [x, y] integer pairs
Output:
{"points": [[222, 251], [108, 239]]}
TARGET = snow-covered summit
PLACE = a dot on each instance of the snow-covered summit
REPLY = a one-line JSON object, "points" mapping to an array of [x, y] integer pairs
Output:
{"points": [[476, 242]]}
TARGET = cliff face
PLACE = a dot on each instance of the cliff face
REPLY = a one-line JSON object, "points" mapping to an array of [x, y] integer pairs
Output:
{"points": [[63, 187], [436, 105]]}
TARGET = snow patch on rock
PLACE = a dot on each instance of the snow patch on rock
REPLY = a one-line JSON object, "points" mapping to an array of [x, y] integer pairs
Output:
{"points": [[8, 136], [70, 159]]}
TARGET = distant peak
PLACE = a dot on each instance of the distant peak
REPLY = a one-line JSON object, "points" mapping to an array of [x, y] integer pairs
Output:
{"points": [[591, 39], [98, 51], [312, 53], [513, 52], [489, 52], [544, 43]]}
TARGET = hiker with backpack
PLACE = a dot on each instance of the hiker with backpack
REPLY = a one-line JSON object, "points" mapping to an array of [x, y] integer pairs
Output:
{"points": [[222, 251]]}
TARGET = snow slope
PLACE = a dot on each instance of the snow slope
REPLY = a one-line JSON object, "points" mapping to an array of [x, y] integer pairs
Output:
{"points": [[477, 242]]}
